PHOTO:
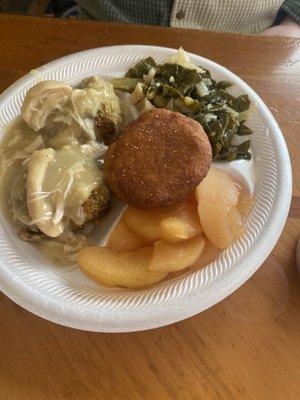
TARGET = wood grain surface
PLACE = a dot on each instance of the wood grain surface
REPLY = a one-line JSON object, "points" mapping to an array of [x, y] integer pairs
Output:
{"points": [[247, 346]]}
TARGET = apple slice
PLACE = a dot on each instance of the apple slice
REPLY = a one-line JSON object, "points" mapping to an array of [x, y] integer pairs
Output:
{"points": [[122, 239], [235, 221], [171, 257], [245, 204], [113, 268], [183, 225], [173, 223], [145, 223], [217, 197], [209, 254]]}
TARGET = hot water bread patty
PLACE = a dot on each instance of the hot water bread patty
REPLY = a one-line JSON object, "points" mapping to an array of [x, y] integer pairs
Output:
{"points": [[159, 158]]}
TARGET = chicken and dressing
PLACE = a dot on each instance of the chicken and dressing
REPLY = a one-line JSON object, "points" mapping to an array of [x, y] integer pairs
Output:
{"points": [[51, 158]]}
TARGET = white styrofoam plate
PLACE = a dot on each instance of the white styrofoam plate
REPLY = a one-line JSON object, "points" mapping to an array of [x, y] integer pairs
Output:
{"points": [[64, 295]]}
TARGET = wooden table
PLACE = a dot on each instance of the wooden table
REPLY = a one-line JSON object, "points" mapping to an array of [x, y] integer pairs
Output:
{"points": [[247, 346]]}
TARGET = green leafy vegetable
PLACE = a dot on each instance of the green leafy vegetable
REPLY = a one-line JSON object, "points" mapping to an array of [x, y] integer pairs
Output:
{"points": [[141, 68], [181, 78], [223, 85], [126, 84], [243, 151], [243, 130], [160, 101], [243, 103], [186, 105], [198, 96]]}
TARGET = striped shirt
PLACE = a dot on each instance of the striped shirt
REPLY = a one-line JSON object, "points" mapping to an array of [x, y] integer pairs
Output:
{"points": [[244, 16]]}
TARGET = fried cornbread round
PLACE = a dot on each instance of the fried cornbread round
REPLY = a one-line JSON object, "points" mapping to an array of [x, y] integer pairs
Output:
{"points": [[158, 160]]}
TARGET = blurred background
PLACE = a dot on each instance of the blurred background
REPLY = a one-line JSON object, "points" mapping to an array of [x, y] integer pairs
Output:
{"points": [[54, 8], [265, 17]]}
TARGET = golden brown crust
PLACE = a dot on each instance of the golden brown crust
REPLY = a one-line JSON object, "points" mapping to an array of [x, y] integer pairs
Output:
{"points": [[105, 130], [29, 236], [96, 205], [158, 160]]}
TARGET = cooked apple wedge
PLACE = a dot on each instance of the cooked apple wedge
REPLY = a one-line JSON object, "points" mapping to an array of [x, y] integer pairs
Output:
{"points": [[236, 223], [245, 204], [208, 255], [145, 223], [217, 197], [183, 225], [122, 239], [174, 223], [171, 257], [113, 268]]}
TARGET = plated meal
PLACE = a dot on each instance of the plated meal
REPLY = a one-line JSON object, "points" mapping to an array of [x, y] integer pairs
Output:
{"points": [[174, 225], [76, 151]]}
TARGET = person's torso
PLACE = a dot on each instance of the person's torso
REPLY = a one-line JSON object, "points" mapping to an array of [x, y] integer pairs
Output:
{"points": [[246, 16]]}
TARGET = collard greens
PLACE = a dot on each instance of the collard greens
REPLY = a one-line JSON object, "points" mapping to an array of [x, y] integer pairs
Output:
{"points": [[198, 96]]}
